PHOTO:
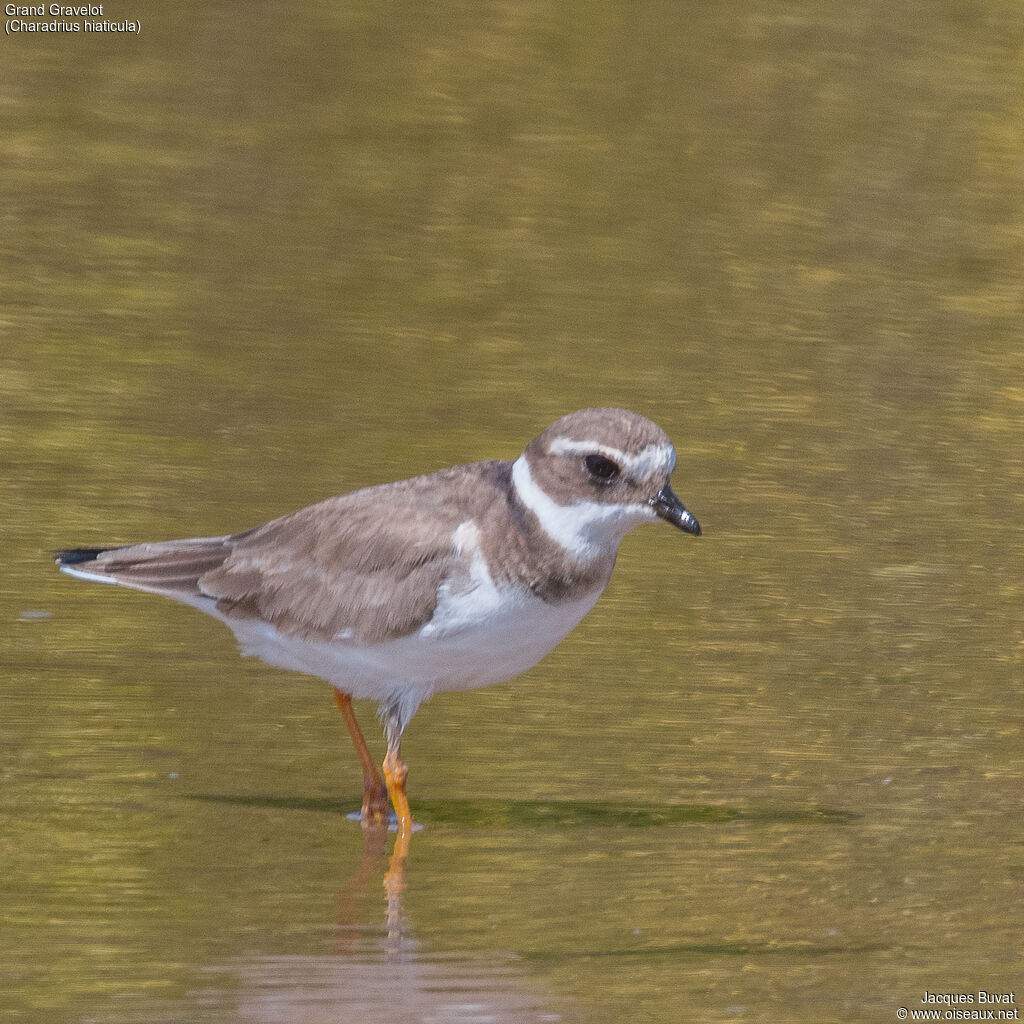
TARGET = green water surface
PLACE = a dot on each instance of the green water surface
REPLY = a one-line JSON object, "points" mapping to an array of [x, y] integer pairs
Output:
{"points": [[260, 254]]}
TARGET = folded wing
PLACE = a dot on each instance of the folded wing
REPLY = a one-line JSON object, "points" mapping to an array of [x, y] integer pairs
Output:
{"points": [[311, 574]]}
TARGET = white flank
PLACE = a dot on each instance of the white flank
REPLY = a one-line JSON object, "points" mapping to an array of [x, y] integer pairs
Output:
{"points": [[478, 636], [464, 603], [585, 529]]}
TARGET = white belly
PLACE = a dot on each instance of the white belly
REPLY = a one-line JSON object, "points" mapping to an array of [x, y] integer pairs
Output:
{"points": [[469, 643]]}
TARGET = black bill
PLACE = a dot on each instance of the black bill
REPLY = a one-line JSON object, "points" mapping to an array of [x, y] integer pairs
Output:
{"points": [[670, 508]]}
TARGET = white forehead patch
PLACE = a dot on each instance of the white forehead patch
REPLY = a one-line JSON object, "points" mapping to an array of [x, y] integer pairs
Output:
{"points": [[654, 460], [585, 529]]}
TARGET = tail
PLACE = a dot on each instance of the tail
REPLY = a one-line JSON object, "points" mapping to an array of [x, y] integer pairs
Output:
{"points": [[75, 556], [172, 567]]}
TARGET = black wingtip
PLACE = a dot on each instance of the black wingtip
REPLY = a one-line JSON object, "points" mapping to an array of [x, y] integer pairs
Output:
{"points": [[75, 556]]}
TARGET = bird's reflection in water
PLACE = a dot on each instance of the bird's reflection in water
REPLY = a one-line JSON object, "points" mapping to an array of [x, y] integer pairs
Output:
{"points": [[394, 884], [385, 975], [355, 894], [412, 990]]}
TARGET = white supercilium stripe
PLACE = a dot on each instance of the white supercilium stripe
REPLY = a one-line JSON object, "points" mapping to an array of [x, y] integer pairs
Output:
{"points": [[655, 458]]}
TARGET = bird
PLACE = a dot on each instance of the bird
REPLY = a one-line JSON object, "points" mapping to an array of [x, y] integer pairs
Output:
{"points": [[456, 579]]}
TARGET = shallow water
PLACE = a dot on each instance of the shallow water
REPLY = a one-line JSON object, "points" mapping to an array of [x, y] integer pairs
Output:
{"points": [[245, 264]]}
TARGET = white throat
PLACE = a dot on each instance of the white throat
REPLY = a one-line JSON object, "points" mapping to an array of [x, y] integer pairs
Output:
{"points": [[585, 529]]}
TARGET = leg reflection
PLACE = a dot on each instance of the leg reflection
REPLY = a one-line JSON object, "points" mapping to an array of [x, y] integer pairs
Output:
{"points": [[353, 899], [352, 911], [395, 882]]}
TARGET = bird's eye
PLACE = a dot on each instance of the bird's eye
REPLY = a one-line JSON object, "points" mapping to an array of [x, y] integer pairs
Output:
{"points": [[601, 468]]}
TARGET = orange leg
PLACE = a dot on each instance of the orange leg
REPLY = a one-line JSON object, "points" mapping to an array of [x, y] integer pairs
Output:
{"points": [[375, 795], [395, 774]]}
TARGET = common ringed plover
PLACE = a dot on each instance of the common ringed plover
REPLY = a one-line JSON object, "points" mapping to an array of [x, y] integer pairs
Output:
{"points": [[449, 581]]}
